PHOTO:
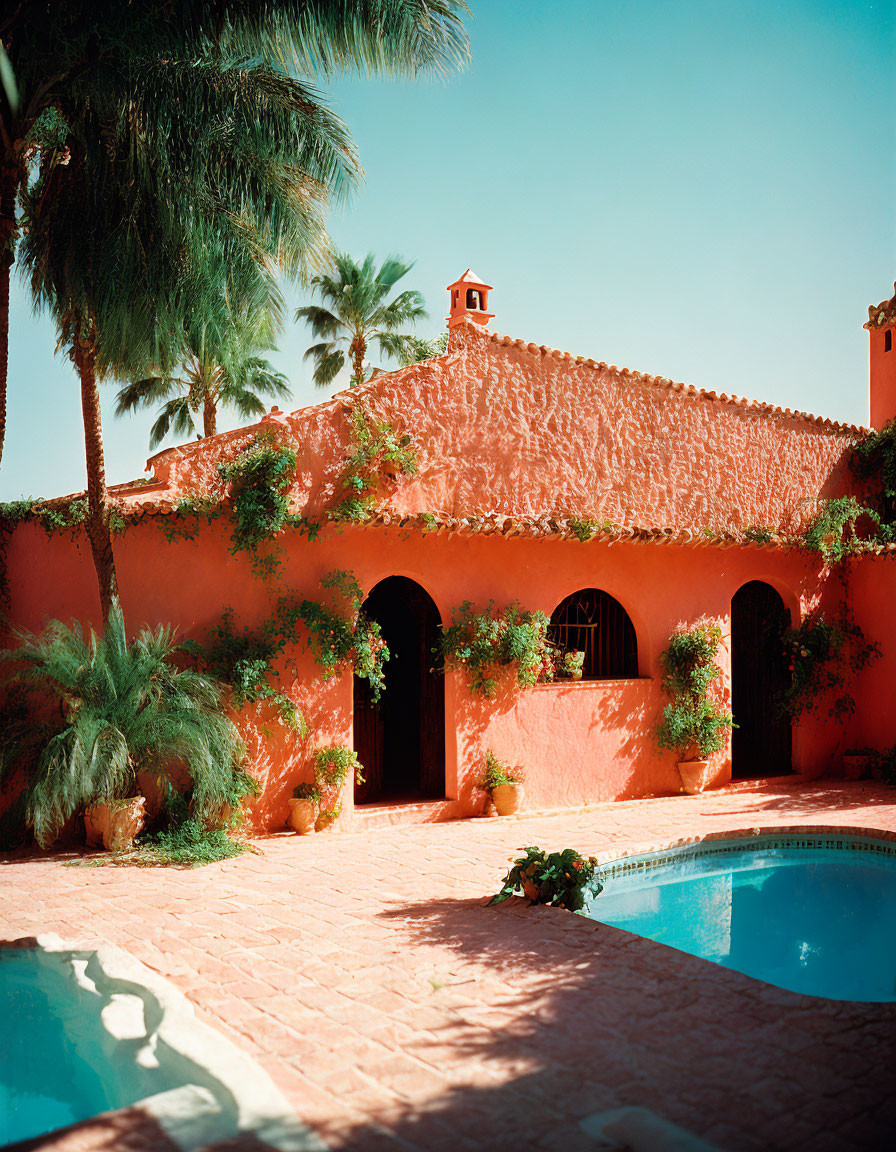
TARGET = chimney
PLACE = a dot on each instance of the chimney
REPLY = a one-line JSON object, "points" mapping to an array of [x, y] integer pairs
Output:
{"points": [[882, 330], [468, 298]]}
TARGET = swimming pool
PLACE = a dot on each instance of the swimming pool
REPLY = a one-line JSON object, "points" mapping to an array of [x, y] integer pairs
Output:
{"points": [[86, 1031], [813, 914]]}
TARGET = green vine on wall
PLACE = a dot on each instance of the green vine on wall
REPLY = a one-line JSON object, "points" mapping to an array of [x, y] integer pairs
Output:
{"points": [[245, 660], [341, 634], [259, 479], [379, 451], [824, 655], [483, 644], [832, 531], [874, 458]]}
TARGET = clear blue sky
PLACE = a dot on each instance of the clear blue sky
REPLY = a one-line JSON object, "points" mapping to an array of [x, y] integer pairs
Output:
{"points": [[700, 190]]}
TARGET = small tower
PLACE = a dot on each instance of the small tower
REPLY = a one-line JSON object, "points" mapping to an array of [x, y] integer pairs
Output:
{"points": [[882, 330], [468, 298]]}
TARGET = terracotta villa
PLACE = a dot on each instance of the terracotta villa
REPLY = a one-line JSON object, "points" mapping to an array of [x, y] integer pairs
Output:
{"points": [[688, 499]]}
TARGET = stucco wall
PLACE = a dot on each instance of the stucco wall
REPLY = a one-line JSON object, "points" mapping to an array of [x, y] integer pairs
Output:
{"points": [[579, 742]]}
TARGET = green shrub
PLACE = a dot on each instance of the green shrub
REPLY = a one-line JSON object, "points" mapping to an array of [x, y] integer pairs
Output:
{"points": [[485, 643], [84, 714], [189, 844], [824, 655], [561, 879], [692, 723]]}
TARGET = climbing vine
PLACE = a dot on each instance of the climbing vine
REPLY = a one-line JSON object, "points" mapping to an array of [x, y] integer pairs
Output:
{"points": [[693, 725], [379, 451], [484, 644], [824, 655], [245, 660], [832, 531], [341, 634], [874, 458], [259, 478]]}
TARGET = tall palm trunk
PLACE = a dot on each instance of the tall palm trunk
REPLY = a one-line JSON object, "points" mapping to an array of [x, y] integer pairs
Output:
{"points": [[209, 416], [99, 525], [357, 351], [8, 184]]}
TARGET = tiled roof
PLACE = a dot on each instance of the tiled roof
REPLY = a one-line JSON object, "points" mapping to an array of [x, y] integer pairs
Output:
{"points": [[880, 315], [753, 406]]}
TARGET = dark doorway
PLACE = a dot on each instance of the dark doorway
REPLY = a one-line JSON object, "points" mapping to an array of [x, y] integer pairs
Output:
{"points": [[401, 740], [761, 742]]}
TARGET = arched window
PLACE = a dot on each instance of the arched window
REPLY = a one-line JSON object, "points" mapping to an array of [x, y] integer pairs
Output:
{"points": [[593, 622]]}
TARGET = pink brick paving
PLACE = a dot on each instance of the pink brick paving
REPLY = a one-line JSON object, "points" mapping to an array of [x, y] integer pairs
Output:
{"points": [[397, 1012]]}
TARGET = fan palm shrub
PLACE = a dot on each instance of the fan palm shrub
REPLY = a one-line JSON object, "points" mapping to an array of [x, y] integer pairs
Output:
{"points": [[85, 714], [355, 312]]}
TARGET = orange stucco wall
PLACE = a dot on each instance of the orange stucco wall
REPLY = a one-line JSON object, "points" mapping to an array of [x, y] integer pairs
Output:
{"points": [[580, 742], [883, 374]]}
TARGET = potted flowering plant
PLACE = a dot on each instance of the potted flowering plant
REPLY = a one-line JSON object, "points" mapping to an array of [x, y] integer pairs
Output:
{"points": [[503, 783], [303, 805], [693, 725], [561, 879]]}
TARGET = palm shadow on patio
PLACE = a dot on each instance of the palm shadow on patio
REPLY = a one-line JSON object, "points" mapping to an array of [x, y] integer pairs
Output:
{"points": [[547, 1018]]}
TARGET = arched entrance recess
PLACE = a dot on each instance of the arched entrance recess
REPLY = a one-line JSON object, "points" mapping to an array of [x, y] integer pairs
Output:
{"points": [[761, 742], [401, 740]]}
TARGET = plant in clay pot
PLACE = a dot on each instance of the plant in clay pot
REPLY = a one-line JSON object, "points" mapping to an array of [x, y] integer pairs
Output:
{"points": [[503, 783], [857, 762], [693, 725], [303, 805], [333, 765], [85, 714]]}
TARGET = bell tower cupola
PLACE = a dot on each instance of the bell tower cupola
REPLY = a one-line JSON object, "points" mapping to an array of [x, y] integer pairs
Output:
{"points": [[882, 330], [468, 298]]}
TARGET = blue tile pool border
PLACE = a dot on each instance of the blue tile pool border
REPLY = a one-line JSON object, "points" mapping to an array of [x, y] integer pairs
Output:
{"points": [[733, 844]]}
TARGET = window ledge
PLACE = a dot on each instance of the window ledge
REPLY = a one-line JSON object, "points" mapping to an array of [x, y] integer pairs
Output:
{"points": [[597, 683]]}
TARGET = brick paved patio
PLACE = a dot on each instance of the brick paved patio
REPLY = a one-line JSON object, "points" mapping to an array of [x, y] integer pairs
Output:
{"points": [[395, 1011]]}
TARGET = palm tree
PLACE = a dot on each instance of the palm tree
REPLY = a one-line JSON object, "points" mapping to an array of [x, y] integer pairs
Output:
{"points": [[358, 313], [120, 708], [212, 377], [210, 157], [418, 349]]}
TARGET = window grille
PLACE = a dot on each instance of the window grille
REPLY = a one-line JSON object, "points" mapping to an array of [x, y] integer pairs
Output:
{"points": [[595, 623]]}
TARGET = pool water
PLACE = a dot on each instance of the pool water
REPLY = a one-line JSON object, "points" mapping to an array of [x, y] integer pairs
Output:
{"points": [[44, 1083], [819, 920]]}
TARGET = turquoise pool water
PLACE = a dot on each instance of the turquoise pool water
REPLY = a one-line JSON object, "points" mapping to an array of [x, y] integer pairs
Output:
{"points": [[815, 915], [44, 1025]]}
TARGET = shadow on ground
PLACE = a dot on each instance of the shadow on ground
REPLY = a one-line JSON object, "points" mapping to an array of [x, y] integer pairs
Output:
{"points": [[611, 1020]]}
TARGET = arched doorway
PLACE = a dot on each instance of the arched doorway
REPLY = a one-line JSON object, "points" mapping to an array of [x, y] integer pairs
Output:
{"points": [[401, 740], [761, 742]]}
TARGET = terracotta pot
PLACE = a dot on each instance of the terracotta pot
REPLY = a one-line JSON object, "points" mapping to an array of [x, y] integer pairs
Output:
{"points": [[694, 775], [855, 765], [115, 825], [507, 799], [301, 815]]}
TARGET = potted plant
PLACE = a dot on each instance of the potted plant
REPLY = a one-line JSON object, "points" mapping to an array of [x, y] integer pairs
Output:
{"points": [[503, 783], [572, 664], [693, 725], [857, 762], [332, 767], [303, 808], [115, 824], [562, 879], [123, 708]]}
